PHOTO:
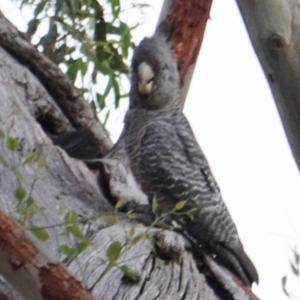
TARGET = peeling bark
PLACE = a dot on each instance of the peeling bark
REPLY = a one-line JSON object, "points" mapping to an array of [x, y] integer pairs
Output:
{"points": [[274, 27], [35, 274], [188, 22]]}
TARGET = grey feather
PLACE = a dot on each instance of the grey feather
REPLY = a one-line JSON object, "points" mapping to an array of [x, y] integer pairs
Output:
{"points": [[167, 161]]}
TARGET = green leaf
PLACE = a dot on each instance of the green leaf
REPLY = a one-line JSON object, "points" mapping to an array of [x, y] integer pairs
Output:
{"points": [[20, 193], [39, 8], [106, 118], [154, 205], [3, 161], [13, 113], [108, 88], [74, 230], [82, 66], [283, 282], [103, 67], [66, 250], [2, 134], [29, 158], [179, 205], [295, 269], [59, 5], [12, 144], [73, 69], [119, 203], [40, 233], [192, 218], [181, 220], [21, 208], [18, 174], [83, 245], [129, 273], [30, 202], [115, 7], [110, 219], [124, 95], [125, 39], [116, 89], [113, 252], [297, 256], [132, 231], [111, 29], [136, 239], [100, 100], [71, 217], [130, 214], [61, 209], [191, 212], [84, 90], [41, 161]]}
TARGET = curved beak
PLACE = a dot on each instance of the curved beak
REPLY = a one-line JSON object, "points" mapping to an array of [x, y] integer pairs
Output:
{"points": [[146, 76]]}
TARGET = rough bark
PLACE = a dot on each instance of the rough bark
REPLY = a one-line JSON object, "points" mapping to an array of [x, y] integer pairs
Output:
{"points": [[274, 27], [62, 183], [188, 21]]}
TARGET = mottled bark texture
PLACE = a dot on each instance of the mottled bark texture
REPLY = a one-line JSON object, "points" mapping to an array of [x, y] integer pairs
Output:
{"points": [[37, 100], [274, 30]]}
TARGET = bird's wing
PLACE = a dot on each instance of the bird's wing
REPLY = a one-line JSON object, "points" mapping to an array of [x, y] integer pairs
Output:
{"points": [[176, 168], [173, 162], [78, 143]]}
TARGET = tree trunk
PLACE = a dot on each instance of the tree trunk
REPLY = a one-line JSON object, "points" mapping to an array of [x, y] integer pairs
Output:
{"points": [[274, 27]]}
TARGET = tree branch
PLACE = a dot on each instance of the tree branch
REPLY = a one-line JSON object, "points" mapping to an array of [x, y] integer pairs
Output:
{"points": [[274, 30], [188, 22], [69, 99]]}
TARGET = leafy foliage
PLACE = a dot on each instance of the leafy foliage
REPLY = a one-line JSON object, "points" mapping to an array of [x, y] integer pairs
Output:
{"points": [[26, 206], [295, 267], [90, 42]]}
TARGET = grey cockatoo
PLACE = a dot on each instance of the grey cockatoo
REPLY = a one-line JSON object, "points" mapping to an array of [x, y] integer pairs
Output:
{"points": [[167, 161]]}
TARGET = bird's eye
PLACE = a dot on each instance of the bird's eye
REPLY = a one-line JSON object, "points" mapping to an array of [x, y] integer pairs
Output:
{"points": [[164, 67], [150, 80]]}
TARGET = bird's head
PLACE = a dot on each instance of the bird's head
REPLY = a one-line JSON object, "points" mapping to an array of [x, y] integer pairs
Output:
{"points": [[155, 77]]}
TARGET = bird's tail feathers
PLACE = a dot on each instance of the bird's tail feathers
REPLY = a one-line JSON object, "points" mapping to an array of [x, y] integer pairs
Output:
{"points": [[239, 262]]}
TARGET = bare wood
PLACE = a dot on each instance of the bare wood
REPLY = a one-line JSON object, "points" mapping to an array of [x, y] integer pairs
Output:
{"points": [[274, 30], [188, 20]]}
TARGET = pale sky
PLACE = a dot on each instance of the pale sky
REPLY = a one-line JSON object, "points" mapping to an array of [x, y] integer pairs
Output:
{"points": [[234, 118]]}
